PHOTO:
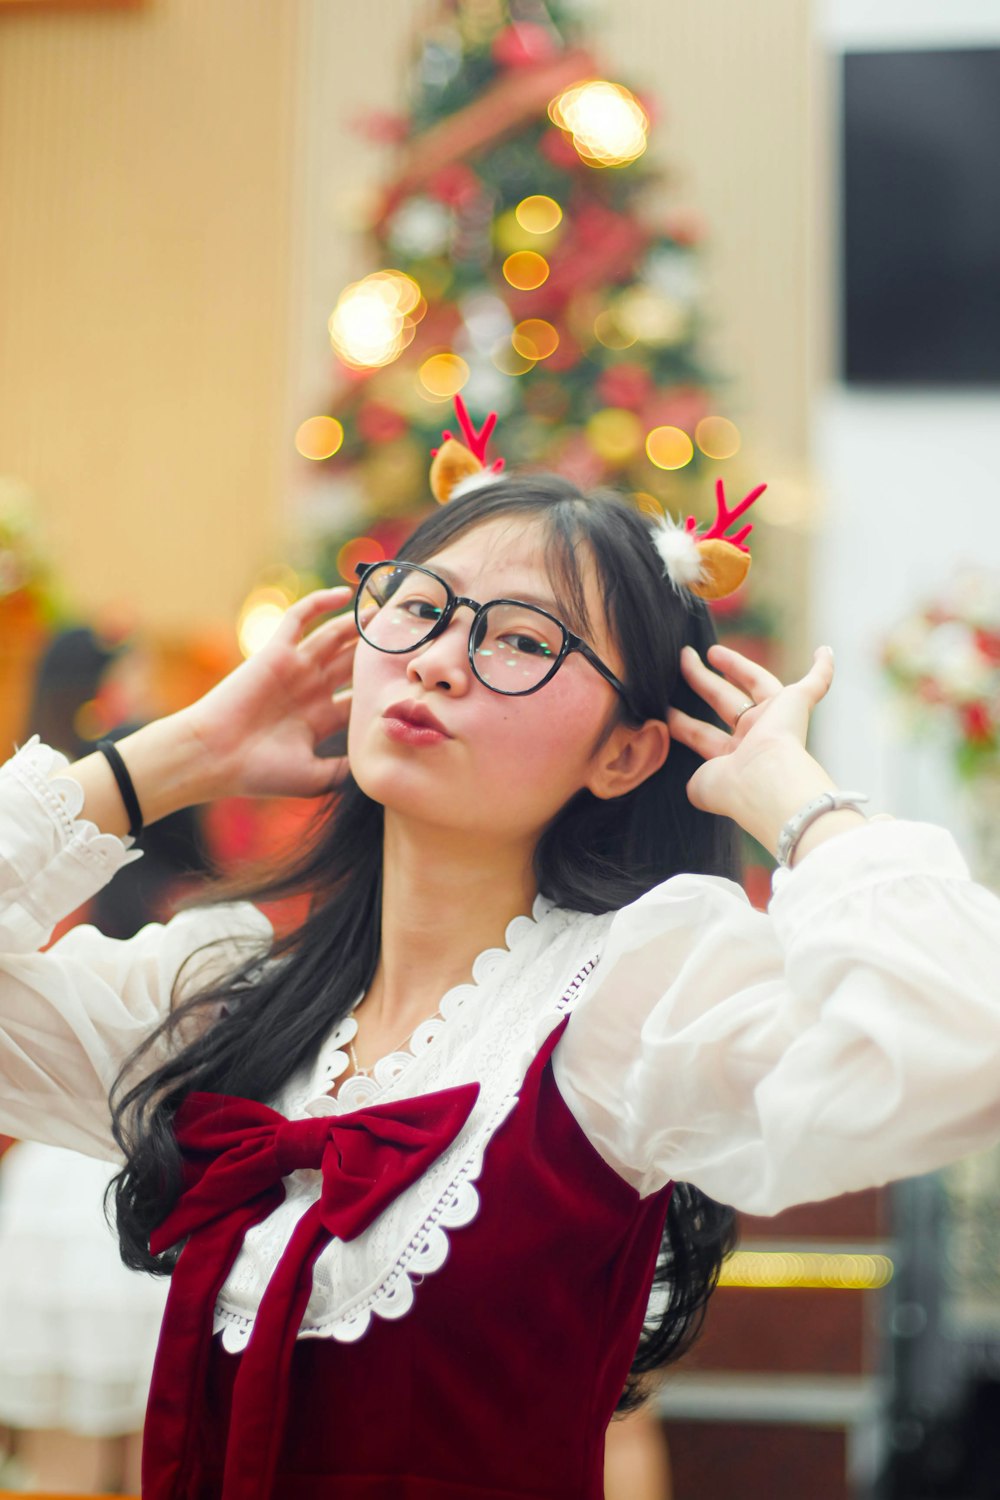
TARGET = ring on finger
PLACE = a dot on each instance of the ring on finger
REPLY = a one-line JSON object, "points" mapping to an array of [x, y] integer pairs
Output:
{"points": [[747, 705]]}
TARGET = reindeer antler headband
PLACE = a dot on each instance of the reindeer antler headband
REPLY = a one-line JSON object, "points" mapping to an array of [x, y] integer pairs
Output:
{"points": [[709, 564]]}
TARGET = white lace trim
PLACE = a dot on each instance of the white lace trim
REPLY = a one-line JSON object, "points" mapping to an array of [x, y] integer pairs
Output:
{"points": [[57, 858], [489, 1031], [360, 1090], [62, 797]]}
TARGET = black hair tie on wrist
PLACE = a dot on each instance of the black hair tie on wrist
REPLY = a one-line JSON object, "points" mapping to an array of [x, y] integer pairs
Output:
{"points": [[110, 750]]}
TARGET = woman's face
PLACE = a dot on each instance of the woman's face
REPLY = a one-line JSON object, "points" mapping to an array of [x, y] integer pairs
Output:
{"points": [[505, 765]]}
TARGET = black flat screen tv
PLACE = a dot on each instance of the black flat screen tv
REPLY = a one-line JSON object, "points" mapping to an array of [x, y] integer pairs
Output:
{"points": [[920, 262]]}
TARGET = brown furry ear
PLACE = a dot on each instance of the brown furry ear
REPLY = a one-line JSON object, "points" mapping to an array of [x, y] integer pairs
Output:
{"points": [[723, 569], [452, 462]]}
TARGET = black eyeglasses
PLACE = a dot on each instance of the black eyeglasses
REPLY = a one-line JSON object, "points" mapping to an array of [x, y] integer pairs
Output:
{"points": [[514, 648]]}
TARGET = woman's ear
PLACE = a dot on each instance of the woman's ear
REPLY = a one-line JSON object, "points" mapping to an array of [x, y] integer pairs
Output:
{"points": [[628, 757]]}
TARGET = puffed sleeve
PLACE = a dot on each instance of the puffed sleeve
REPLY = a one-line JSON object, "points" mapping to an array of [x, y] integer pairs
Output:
{"points": [[69, 1017], [847, 1037]]}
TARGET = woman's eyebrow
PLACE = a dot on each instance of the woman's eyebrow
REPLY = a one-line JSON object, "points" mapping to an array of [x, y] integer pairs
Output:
{"points": [[545, 601]]}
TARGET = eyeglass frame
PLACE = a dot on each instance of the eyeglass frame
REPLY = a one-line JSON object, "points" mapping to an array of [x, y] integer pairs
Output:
{"points": [[571, 641]]}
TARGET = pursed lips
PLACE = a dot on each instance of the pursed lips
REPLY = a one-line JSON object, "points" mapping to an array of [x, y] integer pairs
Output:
{"points": [[413, 713]]}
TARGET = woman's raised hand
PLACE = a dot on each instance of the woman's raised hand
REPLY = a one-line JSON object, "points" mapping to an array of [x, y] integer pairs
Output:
{"points": [[759, 771], [261, 725]]}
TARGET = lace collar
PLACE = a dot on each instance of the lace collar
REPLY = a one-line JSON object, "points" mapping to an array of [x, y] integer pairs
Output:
{"points": [[312, 1096], [489, 1031]]}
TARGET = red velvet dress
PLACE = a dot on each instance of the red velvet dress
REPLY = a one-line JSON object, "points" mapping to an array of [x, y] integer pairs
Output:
{"points": [[499, 1381]]}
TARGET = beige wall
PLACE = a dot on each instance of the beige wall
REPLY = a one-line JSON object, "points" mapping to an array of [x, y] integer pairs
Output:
{"points": [[174, 185], [143, 293]]}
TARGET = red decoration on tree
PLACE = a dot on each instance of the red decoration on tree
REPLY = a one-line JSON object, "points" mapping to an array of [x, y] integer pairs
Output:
{"points": [[522, 44], [380, 424], [384, 127], [625, 385], [454, 184], [977, 723]]}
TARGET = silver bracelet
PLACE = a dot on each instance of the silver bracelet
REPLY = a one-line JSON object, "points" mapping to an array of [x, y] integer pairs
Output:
{"points": [[797, 824]]}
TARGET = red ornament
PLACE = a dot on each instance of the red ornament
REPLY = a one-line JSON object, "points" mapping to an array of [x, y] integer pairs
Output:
{"points": [[566, 357], [559, 150], [988, 644], [523, 44], [384, 127], [455, 184], [625, 385], [380, 424], [685, 226], [977, 725], [680, 406], [578, 461]]}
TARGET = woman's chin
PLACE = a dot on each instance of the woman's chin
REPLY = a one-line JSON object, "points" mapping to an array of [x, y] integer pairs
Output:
{"points": [[408, 787]]}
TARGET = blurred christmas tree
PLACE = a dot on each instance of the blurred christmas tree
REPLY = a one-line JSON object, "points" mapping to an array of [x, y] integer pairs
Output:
{"points": [[526, 259]]}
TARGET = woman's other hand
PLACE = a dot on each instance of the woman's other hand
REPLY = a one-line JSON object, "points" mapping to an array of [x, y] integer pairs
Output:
{"points": [[758, 772], [261, 725]]}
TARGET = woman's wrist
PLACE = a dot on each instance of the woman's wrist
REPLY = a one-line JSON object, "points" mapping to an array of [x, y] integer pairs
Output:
{"points": [[777, 785], [168, 765]]}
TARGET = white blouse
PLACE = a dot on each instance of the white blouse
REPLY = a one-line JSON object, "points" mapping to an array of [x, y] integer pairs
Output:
{"points": [[848, 1036]]}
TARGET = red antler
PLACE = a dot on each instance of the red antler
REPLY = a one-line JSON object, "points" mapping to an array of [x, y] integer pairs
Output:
{"points": [[725, 517], [474, 441]]}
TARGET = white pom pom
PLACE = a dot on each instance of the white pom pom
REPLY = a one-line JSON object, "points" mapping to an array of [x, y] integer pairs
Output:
{"points": [[473, 482], [682, 562]]}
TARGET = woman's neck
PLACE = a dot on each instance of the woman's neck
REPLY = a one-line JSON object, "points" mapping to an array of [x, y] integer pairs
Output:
{"points": [[444, 899]]}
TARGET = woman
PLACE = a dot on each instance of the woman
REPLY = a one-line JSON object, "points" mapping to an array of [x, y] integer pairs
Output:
{"points": [[423, 1212]]}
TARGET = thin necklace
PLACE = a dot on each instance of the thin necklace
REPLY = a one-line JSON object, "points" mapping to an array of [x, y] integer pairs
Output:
{"points": [[367, 1072]]}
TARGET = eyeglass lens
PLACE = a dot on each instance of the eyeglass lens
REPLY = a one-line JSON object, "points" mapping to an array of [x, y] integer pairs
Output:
{"points": [[513, 649]]}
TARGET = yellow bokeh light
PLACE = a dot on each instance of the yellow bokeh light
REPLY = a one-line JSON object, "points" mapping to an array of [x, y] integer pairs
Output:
{"points": [[89, 722], [607, 124], [443, 375], [375, 319], [615, 434], [717, 437], [669, 447], [534, 338], [260, 617], [363, 549], [525, 270], [609, 332], [832, 1270], [538, 214], [319, 437], [508, 361], [647, 315]]}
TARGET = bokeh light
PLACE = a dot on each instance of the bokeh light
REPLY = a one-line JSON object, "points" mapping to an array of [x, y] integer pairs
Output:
{"points": [[606, 123], [319, 437], [832, 1270], [717, 437], [509, 361], [615, 434], [669, 447], [363, 549], [538, 214], [262, 613], [609, 332], [534, 338], [90, 721], [443, 375], [526, 270], [375, 319], [651, 318]]}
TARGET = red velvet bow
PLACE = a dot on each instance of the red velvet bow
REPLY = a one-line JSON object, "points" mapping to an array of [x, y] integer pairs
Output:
{"points": [[236, 1153]]}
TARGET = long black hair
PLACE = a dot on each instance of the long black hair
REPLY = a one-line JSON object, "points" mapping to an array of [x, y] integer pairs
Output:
{"points": [[254, 1028]]}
